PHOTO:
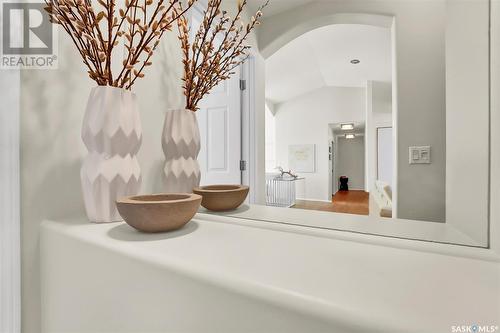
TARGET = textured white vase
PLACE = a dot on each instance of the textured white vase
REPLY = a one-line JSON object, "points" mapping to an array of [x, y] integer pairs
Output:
{"points": [[112, 134], [181, 146]]}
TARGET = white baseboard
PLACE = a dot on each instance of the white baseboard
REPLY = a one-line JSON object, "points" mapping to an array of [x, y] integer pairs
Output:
{"points": [[317, 200], [354, 189]]}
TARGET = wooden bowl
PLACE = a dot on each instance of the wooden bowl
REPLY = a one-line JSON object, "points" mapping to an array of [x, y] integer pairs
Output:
{"points": [[158, 212], [222, 197]]}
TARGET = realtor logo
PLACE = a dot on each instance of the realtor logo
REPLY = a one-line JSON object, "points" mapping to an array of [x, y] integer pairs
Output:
{"points": [[28, 36]]}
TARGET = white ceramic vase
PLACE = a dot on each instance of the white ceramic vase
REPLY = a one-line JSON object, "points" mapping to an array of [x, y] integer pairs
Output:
{"points": [[181, 146], [112, 134]]}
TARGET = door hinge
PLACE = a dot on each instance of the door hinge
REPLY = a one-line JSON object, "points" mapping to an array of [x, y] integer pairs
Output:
{"points": [[243, 85], [243, 165]]}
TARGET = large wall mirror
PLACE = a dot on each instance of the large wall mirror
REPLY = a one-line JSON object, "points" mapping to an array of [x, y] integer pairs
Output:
{"points": [[378, 110]]}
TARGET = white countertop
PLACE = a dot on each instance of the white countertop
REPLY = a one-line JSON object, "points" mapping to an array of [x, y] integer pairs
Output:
{"points": [[361, 284]]}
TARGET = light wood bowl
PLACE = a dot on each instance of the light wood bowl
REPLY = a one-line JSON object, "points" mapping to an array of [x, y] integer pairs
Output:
{"points": [[220, 198], [158, 212]]}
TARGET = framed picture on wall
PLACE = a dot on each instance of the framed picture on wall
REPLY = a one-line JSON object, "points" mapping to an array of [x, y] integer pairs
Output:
{"points": [[302, 158]]}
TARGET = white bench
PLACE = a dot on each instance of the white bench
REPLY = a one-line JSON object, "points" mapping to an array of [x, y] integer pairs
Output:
{"points": [[383, 198]]}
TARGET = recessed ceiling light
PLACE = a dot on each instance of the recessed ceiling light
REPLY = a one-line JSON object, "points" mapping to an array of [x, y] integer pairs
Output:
{"points": [[350, 136], [347, 127], [355, 61]]}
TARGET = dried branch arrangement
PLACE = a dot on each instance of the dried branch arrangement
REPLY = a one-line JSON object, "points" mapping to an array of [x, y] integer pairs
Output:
{"points": [[95, 32], [218, 47]]}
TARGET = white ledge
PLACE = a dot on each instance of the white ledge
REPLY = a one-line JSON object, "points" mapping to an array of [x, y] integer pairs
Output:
{"points": [[343, 285], [436, 232]]}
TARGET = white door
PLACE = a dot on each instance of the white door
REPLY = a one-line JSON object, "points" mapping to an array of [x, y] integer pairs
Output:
{"points": [[219, 119]]}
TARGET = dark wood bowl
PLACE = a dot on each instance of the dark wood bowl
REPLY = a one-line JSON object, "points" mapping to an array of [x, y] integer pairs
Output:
{"points": [[220, 198], [159, 212]]}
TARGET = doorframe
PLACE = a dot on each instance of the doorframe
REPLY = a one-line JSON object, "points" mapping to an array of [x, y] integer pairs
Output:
{"points": [[248, 135], [10, 230], [377, 128]]}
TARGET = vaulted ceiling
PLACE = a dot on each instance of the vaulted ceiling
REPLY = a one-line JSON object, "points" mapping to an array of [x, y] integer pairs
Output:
{"points": [[322, 57]]}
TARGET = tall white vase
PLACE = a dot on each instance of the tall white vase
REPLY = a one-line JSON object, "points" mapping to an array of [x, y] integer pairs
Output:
{"points": [[181, 146], [112, 134]]}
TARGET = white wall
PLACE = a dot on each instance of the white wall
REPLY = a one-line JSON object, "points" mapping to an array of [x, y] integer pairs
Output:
{"points": [[378, 114], [10, 240], [270, 140], [351, 161], [467, 112], [52, 107], [494, 225], [304, 120], [420, 83]]}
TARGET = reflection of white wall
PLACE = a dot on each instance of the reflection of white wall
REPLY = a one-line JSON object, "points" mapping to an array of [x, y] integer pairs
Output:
{"points": [[304, 120], [270, 140], [351, 161]]}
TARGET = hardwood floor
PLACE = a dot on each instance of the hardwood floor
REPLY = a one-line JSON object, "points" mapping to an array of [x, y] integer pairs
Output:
{"points": [[349, 202]]}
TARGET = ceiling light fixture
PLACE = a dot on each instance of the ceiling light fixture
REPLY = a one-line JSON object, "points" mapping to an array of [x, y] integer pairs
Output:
{"points": [[355, 61], [347, 127], [350, 136]]}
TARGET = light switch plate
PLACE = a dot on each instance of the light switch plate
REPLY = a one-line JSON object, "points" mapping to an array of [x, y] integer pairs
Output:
{"points": [[420, 155]]}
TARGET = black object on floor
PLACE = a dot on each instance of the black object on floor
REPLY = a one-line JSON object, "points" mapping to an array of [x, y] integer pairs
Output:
{"points": [[344, 183]]}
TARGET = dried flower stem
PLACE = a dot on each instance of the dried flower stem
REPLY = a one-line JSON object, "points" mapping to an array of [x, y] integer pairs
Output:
{"points": [[82, 22], [218, 47]]}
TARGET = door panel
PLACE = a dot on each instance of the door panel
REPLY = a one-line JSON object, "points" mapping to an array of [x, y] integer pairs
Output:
{"points": [[217, 139], [219, 119]]}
